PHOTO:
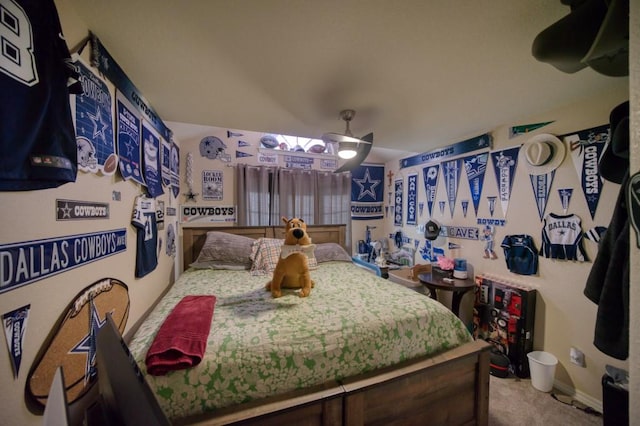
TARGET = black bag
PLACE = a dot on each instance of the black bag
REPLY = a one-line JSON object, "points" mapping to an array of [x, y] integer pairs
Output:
{"points": [[499, 364]]}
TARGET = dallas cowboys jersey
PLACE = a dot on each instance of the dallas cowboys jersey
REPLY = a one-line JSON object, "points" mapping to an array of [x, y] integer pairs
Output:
{"points": [[37, 137], [562, 237], [521, 254], [144, 218]]}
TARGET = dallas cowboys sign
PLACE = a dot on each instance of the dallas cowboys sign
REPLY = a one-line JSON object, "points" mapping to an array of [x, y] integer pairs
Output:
{"points": [[366, 192]]}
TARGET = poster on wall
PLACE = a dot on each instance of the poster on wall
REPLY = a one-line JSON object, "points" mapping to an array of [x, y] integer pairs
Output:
{"points": [[412, 196], [165, 159], [151, 160], [367, 192], [207, 214], [15, 326], [586, 147], [212, 185], [128, 140], [94, 123], [505, 162]]}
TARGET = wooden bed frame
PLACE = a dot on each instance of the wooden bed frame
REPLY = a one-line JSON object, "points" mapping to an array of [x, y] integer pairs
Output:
{"points": [[449, 388]]}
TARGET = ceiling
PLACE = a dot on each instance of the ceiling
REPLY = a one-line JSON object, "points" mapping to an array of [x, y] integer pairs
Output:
{"points": [[420, 74]]}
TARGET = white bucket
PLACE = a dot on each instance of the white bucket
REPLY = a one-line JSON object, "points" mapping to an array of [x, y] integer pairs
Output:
{"points": [[543, 369]]}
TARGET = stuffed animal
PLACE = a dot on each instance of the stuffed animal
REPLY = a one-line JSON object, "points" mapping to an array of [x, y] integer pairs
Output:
{"points": [[292, 269]]}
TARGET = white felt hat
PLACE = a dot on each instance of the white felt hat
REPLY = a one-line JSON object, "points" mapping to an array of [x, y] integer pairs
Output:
{"points": [[542, 154]]}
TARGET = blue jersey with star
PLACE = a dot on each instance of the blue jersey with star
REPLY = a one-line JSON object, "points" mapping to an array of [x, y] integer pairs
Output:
{"points": [[37, 138]]}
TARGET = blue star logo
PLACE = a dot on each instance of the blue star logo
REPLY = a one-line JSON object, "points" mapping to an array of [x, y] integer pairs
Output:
{"points": [[367, 185], [87, 345], [99, 125]]}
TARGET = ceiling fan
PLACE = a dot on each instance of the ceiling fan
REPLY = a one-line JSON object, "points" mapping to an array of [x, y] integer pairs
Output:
{"points": [[350, 148]]}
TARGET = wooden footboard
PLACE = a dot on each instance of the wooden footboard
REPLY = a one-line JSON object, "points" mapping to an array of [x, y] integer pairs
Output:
{"points": [[451, 388]]}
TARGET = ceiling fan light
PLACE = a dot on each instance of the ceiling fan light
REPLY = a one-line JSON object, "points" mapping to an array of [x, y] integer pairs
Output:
{"points": [[347, 150]]}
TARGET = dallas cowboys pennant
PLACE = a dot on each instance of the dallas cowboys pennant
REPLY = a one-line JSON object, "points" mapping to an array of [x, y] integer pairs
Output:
{"points": [[412, 197], [526, 128], [15, 325], [420, 207], [465, 207], [451, 172], [586, 147], [430, 176], [541, 185], [475, 166], [565, 197], [491, 201], [398, 191], [504, 163]]}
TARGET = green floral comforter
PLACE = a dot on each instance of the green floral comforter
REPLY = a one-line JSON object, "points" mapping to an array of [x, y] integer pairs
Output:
{"points": [[258, 346]]}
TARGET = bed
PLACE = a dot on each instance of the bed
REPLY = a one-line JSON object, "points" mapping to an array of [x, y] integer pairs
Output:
{"points": [[359, 350]]}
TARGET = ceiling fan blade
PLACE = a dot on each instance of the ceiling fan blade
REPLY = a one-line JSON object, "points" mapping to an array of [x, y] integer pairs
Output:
{"points": [[363, 151]]}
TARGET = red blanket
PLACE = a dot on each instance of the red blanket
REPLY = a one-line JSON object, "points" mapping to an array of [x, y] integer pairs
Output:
{"points": [[182, 338]]}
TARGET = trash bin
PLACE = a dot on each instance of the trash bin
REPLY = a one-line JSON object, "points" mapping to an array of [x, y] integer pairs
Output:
{"points": [[542, 366], [615, 397]]}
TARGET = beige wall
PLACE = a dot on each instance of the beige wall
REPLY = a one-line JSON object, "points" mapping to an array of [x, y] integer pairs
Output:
{"points": [[31, 215], [564, 316]]}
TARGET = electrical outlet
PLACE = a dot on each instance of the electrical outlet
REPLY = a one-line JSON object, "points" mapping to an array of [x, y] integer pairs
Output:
{"points": [[577, 357]]}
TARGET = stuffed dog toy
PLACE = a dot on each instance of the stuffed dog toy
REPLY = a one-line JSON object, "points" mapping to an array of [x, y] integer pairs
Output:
{"points": [[292, 269]]}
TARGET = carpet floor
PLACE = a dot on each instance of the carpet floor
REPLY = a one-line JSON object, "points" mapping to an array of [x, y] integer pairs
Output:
{"points": [[514, 401]]}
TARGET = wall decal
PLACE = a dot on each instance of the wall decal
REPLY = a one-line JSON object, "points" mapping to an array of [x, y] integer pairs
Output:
{"points": [[207, 214], [213, 148], [78, 210], [30, 261]]}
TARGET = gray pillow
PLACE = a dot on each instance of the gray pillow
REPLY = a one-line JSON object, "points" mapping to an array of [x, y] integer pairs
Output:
{"points": [[225, 251], [327, 252]]}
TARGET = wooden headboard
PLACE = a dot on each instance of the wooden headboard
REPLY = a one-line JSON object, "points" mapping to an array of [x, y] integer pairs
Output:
{"points": [[193, 238]]}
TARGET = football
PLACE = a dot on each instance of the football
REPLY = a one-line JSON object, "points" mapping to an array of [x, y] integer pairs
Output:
{"points": [[110, 165], [71, 342], [269, 141], [316, 148]]}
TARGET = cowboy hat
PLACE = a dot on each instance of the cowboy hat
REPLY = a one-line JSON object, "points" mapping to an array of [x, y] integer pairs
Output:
{"points": [[609, 53], [614, 162], [595, 33], [542, 154], [564, 43]]}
